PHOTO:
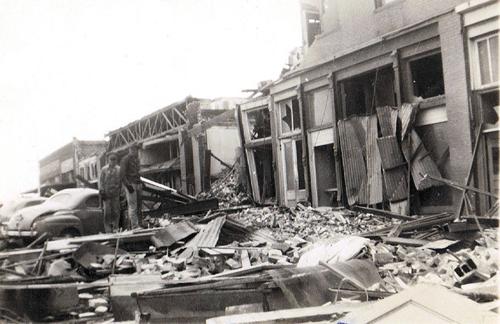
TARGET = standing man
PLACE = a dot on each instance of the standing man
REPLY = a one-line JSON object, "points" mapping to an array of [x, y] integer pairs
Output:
{"points": [[129, 170], [109, 189]]}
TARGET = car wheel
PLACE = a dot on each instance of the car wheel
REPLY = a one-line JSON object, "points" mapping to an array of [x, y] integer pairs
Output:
{"points": [[70, 232]]}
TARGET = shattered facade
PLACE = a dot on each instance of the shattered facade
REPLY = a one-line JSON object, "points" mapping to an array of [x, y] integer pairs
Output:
{"points": [[369, 60], [181, 144]]}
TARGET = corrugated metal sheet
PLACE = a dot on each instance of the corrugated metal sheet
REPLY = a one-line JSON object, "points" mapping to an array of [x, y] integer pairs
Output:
{"points": [[421, 165], [352, 159], [407, 114], [173, 233], [396, 184], [387, 118], [374, 187], [209, 235], [390, 152]]}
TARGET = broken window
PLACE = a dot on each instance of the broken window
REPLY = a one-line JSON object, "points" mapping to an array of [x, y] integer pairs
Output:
{"points": [[259, 124], [427, 76], [319, 106], [313, 26], [290, 116], [487, 52], [361, 94], [489, 110]]}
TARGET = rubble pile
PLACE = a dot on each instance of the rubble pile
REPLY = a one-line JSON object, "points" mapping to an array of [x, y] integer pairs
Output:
{"points": [[402, 266], [227, 189], [242, 247], [310, 223]]}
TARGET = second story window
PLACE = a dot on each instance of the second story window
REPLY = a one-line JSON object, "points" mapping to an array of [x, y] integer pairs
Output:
{"points": [[427, 76], [313, 26], [487, 55]]}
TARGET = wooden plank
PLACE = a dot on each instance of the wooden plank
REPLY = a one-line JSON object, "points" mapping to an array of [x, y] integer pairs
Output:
{"points": [[245, 259], [404, 241], [382, 213]]}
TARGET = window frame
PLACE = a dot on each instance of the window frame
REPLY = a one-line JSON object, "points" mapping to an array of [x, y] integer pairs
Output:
{"points": [[294, 131], [476, 69], [309, 102], [407, 84]]}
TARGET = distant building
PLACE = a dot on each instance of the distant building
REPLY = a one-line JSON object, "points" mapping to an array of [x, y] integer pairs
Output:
{"points": [[178, 143], [77, 158]]}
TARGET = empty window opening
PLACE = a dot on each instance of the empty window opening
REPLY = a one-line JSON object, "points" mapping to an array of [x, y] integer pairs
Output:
{"points": [[263, 156], [361, 94], [326, 181], [427, 76], [259, 123], [313, 27]]}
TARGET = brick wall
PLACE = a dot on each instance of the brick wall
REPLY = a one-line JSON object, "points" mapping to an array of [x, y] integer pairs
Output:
{"points": [[457, 108]]}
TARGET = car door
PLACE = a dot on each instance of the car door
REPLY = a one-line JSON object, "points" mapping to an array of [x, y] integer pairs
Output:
{"points": [[91, 215]]}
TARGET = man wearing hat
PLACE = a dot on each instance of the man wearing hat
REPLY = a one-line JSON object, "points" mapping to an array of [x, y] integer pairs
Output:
{"points": [[129, 170]]}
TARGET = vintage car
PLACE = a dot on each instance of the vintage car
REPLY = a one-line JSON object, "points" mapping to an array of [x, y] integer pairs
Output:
{"points": [[70, 212], [10, 207]]}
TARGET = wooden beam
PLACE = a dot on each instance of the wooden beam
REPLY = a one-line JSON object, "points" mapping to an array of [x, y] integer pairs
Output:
{"points": [[165, 117], [180, 115]]}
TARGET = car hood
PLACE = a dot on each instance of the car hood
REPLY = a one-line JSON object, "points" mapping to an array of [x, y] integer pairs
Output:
{"points": [[23, 219]]}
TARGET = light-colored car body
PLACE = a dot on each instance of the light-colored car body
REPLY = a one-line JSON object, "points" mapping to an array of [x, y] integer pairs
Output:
{"points": [[10, 207], [70, 212]]}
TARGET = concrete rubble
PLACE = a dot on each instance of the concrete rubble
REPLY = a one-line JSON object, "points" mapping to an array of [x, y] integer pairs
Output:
{"points": [[263, 250]]}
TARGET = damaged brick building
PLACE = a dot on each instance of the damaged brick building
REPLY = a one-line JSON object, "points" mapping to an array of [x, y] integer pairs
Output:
{"points": [[184, 144], [336, 130]]}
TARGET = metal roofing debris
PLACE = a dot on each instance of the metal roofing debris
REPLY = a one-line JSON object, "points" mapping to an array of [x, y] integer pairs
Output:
{"points": [[387, 118], [352, 159], [173, 233], [396, 184], [407, 114], [390, 152], [209, 235], [422, 164], [372, 190]]}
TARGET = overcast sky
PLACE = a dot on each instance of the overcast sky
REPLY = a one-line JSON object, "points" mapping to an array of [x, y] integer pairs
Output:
{"points": [[84, 67]]}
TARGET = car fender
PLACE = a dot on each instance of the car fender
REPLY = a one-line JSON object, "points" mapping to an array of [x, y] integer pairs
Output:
{"points": [[57, 223]]}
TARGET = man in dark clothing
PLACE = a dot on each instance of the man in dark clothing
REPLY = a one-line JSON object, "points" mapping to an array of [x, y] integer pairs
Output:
{"points": [[109, 189], [129, 170]]}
